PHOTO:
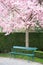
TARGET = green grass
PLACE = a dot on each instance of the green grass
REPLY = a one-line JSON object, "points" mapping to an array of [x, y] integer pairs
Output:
{"points": [[40, 60]]}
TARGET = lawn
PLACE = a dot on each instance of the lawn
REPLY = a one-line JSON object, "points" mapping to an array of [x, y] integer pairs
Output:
{"points": [[40, 60]]}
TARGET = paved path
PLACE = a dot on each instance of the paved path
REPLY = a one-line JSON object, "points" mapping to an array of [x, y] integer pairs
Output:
{"points": [[12, 61]]}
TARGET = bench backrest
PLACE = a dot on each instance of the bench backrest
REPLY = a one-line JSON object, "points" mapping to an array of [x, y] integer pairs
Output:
{"points": [[25, 48]]}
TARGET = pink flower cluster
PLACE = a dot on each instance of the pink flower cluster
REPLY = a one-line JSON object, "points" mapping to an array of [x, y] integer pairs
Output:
{"points": [[18, 14]]}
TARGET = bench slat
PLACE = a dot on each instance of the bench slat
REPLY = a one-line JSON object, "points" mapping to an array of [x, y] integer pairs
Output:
{"points": [[25, 48], [22, 53]]}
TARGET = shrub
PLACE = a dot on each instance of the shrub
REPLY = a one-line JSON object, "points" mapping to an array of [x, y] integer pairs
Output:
{"points": [[39, 54], [18, 39]]}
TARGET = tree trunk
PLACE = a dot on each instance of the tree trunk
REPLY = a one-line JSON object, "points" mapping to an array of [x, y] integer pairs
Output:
{"points": [[27, 38]]}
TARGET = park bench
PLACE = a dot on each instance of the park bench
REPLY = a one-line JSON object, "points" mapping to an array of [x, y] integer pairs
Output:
{"points": [[24, 48]]}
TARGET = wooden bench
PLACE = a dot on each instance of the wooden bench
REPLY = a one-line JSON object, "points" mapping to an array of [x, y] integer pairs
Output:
{"points": [[24, 48]]}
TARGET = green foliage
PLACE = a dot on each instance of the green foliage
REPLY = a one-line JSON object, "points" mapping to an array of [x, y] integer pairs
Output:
{"points": [[36, 40], [39, 54], [6, 42], [18, 39]]}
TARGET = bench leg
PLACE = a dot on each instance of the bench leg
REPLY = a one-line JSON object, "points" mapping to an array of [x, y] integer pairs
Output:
{"points": [[32, 58]]}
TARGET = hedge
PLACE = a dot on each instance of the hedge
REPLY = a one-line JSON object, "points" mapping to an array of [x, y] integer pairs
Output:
{"points": [[39, 54], [36, 40], [6, 42]]}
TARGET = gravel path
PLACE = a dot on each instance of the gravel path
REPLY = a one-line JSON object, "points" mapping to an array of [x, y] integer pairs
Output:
{"points": [[12, 61]]}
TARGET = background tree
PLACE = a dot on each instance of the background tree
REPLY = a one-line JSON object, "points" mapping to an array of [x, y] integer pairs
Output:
{"points": [[20, 14]]}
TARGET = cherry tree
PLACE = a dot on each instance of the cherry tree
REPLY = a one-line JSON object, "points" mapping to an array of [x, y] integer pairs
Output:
{"points": [[20, 14]]}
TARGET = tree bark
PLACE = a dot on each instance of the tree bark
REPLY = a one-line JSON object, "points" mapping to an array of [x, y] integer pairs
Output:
{"points": [[27, 38]]}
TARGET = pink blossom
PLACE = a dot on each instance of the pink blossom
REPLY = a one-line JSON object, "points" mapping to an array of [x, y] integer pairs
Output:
{"points": [[18, 14]]}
